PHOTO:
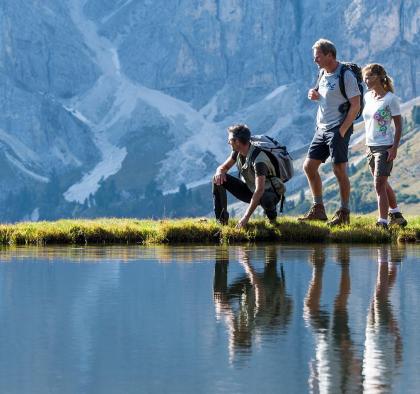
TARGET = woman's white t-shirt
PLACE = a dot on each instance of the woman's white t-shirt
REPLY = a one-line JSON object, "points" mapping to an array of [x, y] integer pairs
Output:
{"points": [[377, 114]]}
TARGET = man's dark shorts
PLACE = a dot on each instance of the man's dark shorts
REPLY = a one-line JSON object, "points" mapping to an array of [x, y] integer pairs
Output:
{"points": [[330, 143]]}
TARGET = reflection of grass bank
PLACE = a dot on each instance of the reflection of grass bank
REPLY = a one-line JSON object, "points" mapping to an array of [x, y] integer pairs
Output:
{"points": [[132, 231]]}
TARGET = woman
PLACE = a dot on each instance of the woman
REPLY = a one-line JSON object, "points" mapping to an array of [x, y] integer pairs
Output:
{"points": [[381, 109]]}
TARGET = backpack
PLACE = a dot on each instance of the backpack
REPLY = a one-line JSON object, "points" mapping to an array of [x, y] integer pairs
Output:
{"points": [[278, 155], [357, 72]]}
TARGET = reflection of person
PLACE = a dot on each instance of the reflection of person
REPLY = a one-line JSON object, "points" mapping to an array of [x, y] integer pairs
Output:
{"points": [[382, 108], [335, 367], [383, 344], [253, 304]]}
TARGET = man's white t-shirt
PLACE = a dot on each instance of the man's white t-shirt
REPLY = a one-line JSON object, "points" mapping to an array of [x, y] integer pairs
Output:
{"points": [[377, 114]]}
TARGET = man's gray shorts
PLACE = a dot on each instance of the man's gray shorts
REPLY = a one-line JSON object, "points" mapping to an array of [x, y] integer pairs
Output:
{"points": [[377, 158]]}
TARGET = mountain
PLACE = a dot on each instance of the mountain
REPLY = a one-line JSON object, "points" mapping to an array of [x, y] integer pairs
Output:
{"points": [[107, 104]]}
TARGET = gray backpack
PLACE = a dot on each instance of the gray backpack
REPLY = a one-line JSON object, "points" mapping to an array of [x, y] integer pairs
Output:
{"points": [[278, 155]]}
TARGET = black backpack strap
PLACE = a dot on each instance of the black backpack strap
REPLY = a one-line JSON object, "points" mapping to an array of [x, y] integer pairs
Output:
{"points": [[344, 68], [341, 83], [320, 74], [254, 155], [273, 160], [282, 198]]}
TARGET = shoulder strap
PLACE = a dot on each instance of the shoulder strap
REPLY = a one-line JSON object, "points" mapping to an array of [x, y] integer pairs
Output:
{"points": [[254, 155], [320, 74], [341, 83], [270, 156]]}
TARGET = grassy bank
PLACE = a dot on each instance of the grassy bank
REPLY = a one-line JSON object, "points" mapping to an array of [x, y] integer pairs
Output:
{"points": [[132, 231]]}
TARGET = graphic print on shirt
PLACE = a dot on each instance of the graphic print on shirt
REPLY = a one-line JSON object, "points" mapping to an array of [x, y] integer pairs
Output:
{"points": [[329, 85], [383, 117]]}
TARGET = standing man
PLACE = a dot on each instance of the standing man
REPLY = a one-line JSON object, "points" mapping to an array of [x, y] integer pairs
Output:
{"points": [[333, 131], [258, 184]]}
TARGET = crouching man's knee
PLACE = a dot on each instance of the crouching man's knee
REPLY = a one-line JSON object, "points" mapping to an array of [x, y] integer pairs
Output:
{"points": [[218, 188]]}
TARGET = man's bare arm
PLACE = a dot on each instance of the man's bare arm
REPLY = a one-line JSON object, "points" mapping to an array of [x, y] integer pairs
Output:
{"points": [[351, 115], [392, 152], [220, 176], [255, 200]]}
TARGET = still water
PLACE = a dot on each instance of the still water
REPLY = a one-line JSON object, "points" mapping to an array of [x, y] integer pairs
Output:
{"points": [[239, 319]]}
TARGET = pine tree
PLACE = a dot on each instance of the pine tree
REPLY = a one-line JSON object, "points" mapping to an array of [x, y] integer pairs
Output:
{"points": [[415, 113], [301, 196]]}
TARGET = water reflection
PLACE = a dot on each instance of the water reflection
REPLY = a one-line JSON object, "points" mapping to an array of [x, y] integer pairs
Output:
{"points": [[348, 356], [383, 345], [254, 305], [79, 254], [291, 318], [336, 367]]}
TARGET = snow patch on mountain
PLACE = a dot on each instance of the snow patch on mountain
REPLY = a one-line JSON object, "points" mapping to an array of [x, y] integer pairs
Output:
{"points": [[21, 167], [25, 154], [90, 183], [107, 59], [116, 98]]}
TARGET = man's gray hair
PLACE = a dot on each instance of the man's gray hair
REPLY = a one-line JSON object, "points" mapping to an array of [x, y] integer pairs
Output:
{"points": [[326, 47]]}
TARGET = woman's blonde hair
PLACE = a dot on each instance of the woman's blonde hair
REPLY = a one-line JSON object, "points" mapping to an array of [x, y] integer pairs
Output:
{"points": [[379, 70]]}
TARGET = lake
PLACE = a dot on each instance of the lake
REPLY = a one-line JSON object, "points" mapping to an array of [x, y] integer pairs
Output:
{"points": [[210, 319]]}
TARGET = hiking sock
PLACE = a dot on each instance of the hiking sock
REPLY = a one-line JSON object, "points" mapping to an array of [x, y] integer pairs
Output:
{"points": [[394, 210], [318, 200], [345, 205], [382, 220]]}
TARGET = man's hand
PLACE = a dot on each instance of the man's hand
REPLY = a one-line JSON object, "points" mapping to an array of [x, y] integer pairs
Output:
{"points": [[342, 130], [219, 178], [392, 153], [243, 222], [313, 95], [255, 200]]}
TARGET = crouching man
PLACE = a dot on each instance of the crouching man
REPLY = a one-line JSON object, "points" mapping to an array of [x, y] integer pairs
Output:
{"points": [[258, 184]]}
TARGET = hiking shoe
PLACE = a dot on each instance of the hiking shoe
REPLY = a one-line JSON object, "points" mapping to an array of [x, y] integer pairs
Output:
{"points": [[340, 218], [317, 212], [398, 219], [382, 225]]}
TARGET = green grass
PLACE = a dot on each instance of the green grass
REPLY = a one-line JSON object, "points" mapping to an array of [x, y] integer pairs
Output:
{"points": [[132, 231]]}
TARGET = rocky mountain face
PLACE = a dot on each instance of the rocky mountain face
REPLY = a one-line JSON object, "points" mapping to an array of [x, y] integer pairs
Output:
{"points": [[104, 103]]}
